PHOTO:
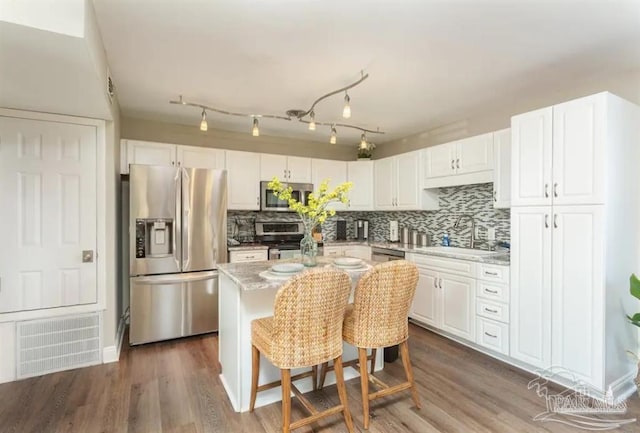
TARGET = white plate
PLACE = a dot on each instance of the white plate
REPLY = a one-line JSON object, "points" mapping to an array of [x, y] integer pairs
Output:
{"points": [[348, 261], [287, 268], [268, 275]]}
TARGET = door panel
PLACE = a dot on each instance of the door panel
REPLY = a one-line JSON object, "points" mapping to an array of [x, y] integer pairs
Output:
{"points": [[148, 153], [458, 305], [204, 218], [407, 169], [425, 306], [385, 183], [578, 290], [361, 195], [440, 160], [475, 154], [156, 309], [200, 157], [531, 136], [201, 306], [299, 169], [273, 165], [244, 180], [48, 175], [530, 333], [153, 194], [578, 151]]}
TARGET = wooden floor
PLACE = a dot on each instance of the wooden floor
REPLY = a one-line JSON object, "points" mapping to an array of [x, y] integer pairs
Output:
{"points": [[174, 387]]}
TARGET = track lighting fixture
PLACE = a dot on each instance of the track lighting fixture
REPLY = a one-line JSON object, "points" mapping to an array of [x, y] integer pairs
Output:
{"points": [[203, 122], [293, 114], [312, 123], [346, 111], [334, 136]]}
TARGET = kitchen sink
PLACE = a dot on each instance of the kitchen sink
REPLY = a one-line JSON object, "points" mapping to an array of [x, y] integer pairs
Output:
{"points": [[458, 251]]}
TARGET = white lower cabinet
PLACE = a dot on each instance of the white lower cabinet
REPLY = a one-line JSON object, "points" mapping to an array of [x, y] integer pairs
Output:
{"points": [[248, 256], [358, 251], [492, 335], [446, 295]]}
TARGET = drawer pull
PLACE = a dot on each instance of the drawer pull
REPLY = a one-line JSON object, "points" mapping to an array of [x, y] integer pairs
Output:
{"points": [[493, 274], [495, 292], [250, 257], [490, 335], [489, 310]]}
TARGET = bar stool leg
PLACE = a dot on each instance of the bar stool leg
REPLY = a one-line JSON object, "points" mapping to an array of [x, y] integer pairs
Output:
{"points": [[285, 375], [323, 374], [364, 385], [373, 360], [255, 371], [406, 362], [314, 376], [342, 393]]}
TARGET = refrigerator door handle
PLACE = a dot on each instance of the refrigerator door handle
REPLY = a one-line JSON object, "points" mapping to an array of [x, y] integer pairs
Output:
{"points": [[186, 217], [175, 279], [176, 222]]}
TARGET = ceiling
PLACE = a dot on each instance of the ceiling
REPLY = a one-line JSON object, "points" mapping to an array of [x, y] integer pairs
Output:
{"points": [[431, 63]]}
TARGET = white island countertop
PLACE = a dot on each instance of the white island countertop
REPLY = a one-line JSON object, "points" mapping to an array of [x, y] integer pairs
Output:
{"points": [[244, 296]]}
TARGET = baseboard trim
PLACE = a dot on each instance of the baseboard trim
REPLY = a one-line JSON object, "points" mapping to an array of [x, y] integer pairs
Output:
{"points": [[112, 353]]}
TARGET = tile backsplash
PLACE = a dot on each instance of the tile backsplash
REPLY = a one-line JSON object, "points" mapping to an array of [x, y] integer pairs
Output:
{"points": [[455, 200]]}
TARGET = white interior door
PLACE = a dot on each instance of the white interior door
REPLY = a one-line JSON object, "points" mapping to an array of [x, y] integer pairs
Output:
{"points": [[578, 291], [530, 307], [48, 191], [578, 151], [531, 158]]}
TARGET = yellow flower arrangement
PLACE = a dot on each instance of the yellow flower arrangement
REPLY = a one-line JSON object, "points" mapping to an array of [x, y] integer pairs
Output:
{"points": [[315, 211]]}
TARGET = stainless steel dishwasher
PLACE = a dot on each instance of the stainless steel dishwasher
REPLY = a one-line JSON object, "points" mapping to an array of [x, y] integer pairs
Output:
{"points": [[385, 254]]}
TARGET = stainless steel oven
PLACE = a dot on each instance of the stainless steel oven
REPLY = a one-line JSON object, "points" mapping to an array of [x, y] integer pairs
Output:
{"points": [[269, 202], [385, 254]]}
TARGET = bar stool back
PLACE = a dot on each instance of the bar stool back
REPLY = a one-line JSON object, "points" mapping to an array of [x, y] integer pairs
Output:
{"points": [[305, 331]]}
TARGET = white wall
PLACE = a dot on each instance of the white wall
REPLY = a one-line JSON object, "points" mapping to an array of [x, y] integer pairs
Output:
{"points": [[59, 16]]}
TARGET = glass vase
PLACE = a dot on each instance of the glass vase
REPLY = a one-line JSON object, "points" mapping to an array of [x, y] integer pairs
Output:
{"points": [[309, 249]]}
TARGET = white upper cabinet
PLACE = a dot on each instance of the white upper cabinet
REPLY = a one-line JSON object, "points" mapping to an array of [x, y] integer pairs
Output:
{"points": [[460, 162], [243, 180], [200, 157], [502, 169], [361, 194], [474, 154], [578, 151], [397, 184], [558, 154], [385, 186], [335, 172], [286, 168], [149, 153]]}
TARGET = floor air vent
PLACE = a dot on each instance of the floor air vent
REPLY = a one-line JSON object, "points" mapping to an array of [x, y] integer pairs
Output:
{"points": [[45, 346]]}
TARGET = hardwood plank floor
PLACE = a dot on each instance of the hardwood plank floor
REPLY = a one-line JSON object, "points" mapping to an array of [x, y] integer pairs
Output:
{"points": [[173, 387]]}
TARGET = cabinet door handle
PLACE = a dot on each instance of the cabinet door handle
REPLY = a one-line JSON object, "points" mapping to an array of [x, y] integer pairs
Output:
{"points": [[289, 174], [453, 166], [555, 221], [435, 283], [284, 173], [489, 310], [555, 189], [493, 274], [494, 292], [490, 335], [258, 201], [173, 163], [440, 282], [546, 190], [546, 221], [495, 194], [457, 163]]}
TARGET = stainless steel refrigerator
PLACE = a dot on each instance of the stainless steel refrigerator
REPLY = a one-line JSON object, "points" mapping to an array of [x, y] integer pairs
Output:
{"points": [[177, 237]]}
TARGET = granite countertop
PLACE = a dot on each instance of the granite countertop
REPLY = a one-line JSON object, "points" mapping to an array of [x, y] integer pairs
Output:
{"points": [[246, 275], [248, 247], [501, 257]]}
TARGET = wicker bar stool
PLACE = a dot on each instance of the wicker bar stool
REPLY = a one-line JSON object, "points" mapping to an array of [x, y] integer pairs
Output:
{"points": [[305, 331], [378, 318]]}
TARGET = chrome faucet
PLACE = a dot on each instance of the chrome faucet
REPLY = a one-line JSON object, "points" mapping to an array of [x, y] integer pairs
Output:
{"points": [[472, 240]]}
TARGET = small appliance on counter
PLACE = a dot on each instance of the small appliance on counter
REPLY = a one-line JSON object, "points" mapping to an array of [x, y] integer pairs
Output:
{"points": [[341, 230], [362, 230], [404, 236], [393, 231]]}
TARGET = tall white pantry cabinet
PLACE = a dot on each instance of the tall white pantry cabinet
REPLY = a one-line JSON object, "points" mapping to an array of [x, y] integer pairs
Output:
{"points": [[575, 224]]}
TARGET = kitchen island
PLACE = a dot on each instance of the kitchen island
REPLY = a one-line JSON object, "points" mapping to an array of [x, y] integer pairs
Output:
{"points": [[244, 296]]}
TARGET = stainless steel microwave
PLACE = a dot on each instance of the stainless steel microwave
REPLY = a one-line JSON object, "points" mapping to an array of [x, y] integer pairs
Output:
{"points": [[269, 202]]}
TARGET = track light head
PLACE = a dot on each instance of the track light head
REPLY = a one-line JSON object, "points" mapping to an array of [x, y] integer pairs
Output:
{"points": [[334, 136], [255, 131], [203, 122], [312, 124], [346, 111], [363, 141]]}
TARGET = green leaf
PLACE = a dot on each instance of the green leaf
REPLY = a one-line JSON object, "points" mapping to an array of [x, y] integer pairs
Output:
{"points": [[635, 286]]}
